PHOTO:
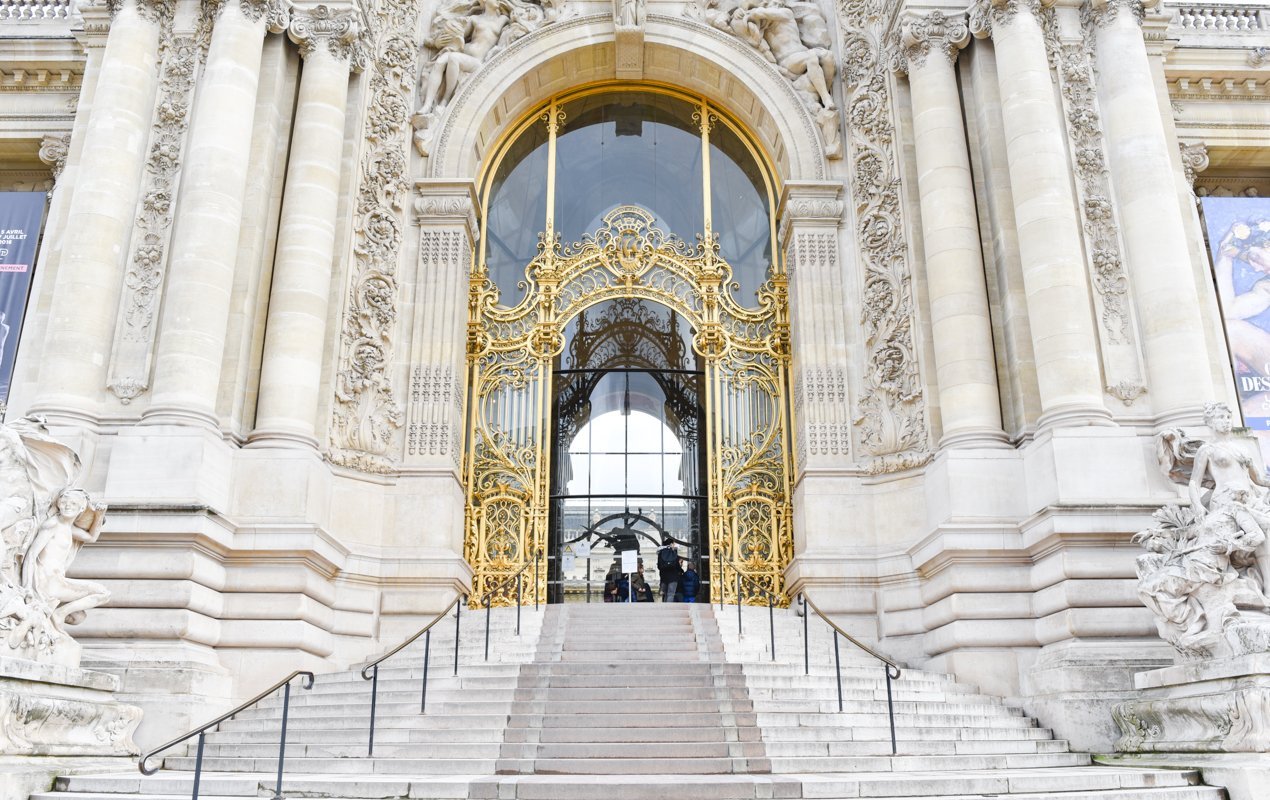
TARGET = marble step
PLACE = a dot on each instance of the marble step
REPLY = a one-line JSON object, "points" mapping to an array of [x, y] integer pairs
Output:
{"points": [[949, 733], [1078, 783]]}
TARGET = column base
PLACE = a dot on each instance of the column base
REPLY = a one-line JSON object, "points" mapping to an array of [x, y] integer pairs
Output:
{"points": [[1075, 416], [177, 415], [1187, 415], [61, 416], [288, 440], [972, 438]]}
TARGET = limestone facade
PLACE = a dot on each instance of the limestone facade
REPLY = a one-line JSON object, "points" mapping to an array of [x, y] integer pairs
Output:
{"points": [[249, 314]]}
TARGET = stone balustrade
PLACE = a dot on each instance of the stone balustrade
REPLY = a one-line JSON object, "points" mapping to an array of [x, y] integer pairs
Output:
{"points": [[1222, 17], [36, 10]]}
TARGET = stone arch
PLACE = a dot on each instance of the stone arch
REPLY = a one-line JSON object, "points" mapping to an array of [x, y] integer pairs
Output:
{"points": [[678, 51]]}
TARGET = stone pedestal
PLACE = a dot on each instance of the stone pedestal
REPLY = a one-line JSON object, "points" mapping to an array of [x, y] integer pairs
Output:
{"points": [[1213, 706], [52, 710]]}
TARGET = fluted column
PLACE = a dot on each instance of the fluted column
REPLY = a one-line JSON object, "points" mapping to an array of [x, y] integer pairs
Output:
{"points": [[191, 345], [1162, 276], [1054, 275], [961, 329], [296, 329], [81, 322]]}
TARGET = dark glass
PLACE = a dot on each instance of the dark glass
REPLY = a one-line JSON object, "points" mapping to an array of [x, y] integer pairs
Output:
{"points": [[629, 148], [741, 216], [517, 212]]}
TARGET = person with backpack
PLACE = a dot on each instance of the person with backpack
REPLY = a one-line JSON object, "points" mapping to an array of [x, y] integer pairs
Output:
{"points": [[691, 583], [668, 569]]}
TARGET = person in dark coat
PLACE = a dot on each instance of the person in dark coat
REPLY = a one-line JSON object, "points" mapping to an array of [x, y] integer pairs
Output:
{"points": [[691, 583], [668, 570]]}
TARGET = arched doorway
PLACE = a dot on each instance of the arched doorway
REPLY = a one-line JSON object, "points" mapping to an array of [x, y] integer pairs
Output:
{"points": [[602, 276]]}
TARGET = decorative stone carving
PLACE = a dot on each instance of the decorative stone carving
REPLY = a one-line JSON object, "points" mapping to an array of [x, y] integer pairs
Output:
{"points": [[988, 14], [436, 402], [1103, 12], [891, 415], [793, 36], [53, 151], [366, 416], [338, 32], [629, 19], [44, 519], [935, 32], [1259, 56], [1194, 160], [1208, 563], [135, 330], [463, 35], [275, 13]]}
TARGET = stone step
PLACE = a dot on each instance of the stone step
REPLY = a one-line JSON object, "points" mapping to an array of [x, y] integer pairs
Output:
{"points": [[848, 718], [633, 750], [349, 734], [714, 733], [633, 766], [343, 766], [882, 747], [921, 763], [628, 668], [630, 719], [872, 734]]}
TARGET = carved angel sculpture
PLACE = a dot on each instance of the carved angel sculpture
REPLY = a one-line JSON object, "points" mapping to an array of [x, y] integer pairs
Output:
{"points": [[794, 36], [1205, 574], [462, 37]]}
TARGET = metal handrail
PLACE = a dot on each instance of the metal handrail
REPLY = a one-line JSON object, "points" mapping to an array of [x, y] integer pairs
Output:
{"points": [[426, 633], [201, 732], [488, 599], [772, 600], [887, 664]]}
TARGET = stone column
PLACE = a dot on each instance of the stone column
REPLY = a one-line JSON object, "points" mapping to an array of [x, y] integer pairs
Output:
{"points": [[296, 327], [191, 345], [81, 322], [1054, 274], [1163, 282], [961, 328]]}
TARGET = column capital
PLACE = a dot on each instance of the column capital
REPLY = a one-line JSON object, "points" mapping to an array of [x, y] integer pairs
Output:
{"points": [[275, 13], [1194, 160], [814, 203], [1102, 13], [53, 151], [919, 36], [447, 203], [336, 31], [986, 16], [160, 12]]}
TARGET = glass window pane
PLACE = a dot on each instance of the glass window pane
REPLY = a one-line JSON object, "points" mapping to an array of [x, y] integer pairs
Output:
{"points": [[741, 215], [517, 212], [629, 148]]}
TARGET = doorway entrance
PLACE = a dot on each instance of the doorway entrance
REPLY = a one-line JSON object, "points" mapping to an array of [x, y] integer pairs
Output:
{"points": [[628, 456]]}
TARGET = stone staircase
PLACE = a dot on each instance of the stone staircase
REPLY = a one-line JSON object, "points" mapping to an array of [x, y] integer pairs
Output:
{"points": [[639, 702]]}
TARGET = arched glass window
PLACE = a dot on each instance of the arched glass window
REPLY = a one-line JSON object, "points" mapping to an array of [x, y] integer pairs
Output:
{"points": [[569, 163]]}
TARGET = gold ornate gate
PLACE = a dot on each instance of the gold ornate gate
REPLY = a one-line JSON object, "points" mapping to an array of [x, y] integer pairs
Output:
{"points": [[511, 353]]}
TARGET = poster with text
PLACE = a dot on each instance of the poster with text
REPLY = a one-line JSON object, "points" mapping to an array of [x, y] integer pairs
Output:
{"points": [[20, 216], [1239, 238]]}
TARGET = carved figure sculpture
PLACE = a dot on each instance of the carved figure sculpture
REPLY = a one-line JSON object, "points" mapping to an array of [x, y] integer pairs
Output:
{"points": [[44, 520], [1204, 576], [630, 13], [463, 36], [794, 36]]}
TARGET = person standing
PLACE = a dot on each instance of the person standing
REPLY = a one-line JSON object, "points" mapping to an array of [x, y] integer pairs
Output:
{"points": [[691, 583], [668, 569]]}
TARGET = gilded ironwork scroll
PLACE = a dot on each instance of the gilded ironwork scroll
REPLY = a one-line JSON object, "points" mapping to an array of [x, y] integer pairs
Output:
{"points": [[511, 353]]}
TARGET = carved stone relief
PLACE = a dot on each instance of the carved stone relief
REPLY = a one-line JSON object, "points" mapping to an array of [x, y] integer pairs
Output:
{"points": [[1099, 224], [1194, 160], [366, 416], [463, 35], [629, 19], [135, 330], [54, 150], [891, 415], [934, 33], [793, 36]]}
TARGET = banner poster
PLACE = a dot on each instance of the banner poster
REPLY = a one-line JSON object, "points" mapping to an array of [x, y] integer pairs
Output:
{"points": [[1239, 240], [20, 216]]}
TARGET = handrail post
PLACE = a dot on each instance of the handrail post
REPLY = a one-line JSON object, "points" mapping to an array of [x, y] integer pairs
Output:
{"points": [[198, 764], [738, 605], [489, 605], [374, 698], [890, 706], [458, 612], [771, 622], [806, 646], [520, 579], [427, 648], [837, 668], [537, 556], [282, 742]]}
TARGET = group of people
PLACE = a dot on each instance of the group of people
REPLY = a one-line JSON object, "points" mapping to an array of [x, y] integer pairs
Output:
{"points": [[679, 580]]}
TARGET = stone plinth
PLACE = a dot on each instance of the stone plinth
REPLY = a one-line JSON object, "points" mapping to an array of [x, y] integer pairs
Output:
{"points": [[52, 710], [1218, 706]]}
